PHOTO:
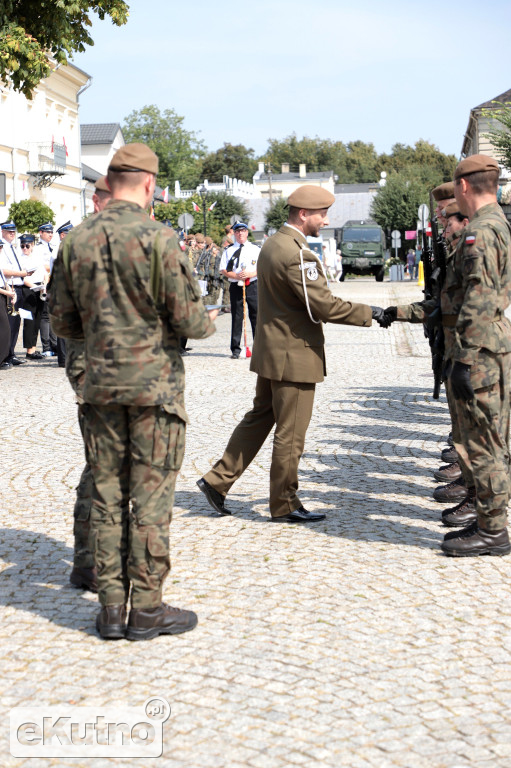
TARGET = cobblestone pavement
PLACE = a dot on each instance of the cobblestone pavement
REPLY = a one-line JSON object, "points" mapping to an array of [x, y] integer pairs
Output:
{"points": [[353, 642]]}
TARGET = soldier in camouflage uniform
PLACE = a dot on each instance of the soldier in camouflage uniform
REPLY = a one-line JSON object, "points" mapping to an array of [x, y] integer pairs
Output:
{"points": [[84, 573], [214, 275], [124, 286], [477, 291]]}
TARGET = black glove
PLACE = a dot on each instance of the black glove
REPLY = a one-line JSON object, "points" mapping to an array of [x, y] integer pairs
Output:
{"points": [[391, 314], [460, 382], [378, 314]]}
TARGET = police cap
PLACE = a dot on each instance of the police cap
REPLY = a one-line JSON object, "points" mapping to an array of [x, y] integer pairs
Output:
{"points": [[311, 197], [444, 191], [64, 227], [27, 238], [239, 225], [134, 157], [474, 164], [10, 226], [48, 227]]}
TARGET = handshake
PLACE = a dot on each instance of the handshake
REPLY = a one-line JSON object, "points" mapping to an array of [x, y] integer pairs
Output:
{"points": [[384, 317]]}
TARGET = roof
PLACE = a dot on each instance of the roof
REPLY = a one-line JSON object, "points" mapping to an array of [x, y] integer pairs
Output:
{"points": [[293, 176], [89, 174], [344, 189], [99, 133], [506, 96]]}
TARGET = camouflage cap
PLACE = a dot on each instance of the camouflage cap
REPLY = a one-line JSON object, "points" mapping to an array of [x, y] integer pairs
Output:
{"points": [[311, 197], [451, 209], [134, 157], [199, 238], [443, 191], [209, 240], [474, 164], [101, 185]]}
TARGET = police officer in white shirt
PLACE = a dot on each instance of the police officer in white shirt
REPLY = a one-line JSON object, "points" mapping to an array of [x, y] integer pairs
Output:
{"points": [[10, 263], [239, 265]]}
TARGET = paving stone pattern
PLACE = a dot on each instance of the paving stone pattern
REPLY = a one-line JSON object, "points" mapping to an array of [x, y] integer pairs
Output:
{"points": [[353, 642]]}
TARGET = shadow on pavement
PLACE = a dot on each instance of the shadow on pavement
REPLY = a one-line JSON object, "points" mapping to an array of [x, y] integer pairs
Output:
{"points": [[37, 580]]}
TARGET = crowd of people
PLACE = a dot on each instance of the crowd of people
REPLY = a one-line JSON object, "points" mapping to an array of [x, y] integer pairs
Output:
{"points": [[25, 270]]}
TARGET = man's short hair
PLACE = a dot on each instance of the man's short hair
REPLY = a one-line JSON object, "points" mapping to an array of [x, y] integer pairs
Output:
{"points": [[483, 182], [125, 179]]}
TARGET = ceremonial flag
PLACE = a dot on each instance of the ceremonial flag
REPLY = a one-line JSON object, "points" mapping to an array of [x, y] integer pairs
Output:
{"points": [[212, 205], [52, 145], [151, 213], [64, 142], [195, 207], [165, 195]]}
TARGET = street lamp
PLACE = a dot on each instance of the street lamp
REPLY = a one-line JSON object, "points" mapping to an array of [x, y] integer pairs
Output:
{"points": [[203, 192]]}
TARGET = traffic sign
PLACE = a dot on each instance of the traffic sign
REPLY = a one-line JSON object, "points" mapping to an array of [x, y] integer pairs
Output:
{"points": [[423, 214], [185, 221]]}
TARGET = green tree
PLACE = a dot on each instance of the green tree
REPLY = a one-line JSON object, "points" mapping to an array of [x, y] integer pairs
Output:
{"points": [[396, 204], [28, 215], [224, 207], [179, 151], [232, 160], [30, 31], [500, 137], [276, 215], [425, 158]]}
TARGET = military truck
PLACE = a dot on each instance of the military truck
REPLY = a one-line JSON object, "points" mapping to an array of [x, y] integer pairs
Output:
{"points": [[362, 246]]}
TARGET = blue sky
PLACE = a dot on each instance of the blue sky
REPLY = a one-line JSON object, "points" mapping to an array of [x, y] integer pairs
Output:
{"points": [[382, 72]]}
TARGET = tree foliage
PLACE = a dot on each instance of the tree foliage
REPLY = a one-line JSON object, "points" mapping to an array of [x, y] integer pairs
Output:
{"points": [[28, 215], [276, 215], [30, 31], [232, 160], [216, 220], [397, 203], [500, 137], [179, 151]]}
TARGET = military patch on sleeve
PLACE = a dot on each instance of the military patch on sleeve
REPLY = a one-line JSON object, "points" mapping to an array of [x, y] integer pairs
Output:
{"points": [[470, 240], [308, 264], [312, 273]]}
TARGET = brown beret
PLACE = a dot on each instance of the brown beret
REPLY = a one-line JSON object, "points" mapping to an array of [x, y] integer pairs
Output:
{"points": [[475, 163], [444, 191], [209, 240], [199, 238], [101, 185], [311, 196], [134, 157], [451, 209]]}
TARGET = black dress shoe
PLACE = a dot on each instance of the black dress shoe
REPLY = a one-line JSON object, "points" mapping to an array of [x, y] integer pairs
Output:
{"points": [[215, 499], [300, 515], [146, 623], [84, 578], [475, 541], [16, 361], [34, 356], [5, 366], [235, 356], [111, 622]]}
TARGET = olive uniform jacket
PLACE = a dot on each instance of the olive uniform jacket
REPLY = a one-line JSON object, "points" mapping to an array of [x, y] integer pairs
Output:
{"points": [[288, 344]]}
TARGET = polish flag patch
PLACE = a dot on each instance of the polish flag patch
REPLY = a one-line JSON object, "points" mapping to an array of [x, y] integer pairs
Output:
{"points": [[470, 239]]}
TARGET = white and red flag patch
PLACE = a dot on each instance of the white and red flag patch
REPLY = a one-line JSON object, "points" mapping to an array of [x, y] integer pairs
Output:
{"points": [[470, 239]]}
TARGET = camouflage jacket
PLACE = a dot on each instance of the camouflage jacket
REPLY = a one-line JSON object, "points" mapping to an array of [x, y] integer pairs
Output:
{"points": [[122, 284], [477, 287]]}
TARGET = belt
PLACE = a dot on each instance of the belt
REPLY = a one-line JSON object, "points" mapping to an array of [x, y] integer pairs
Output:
{"points": [[449, 321]]}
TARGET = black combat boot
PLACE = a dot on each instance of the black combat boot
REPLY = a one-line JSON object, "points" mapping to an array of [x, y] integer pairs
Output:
{"points": [[463, 513], [448, 472], [111, 622], [146, 623], [474, 541], [449, 455], [86, 578], [453, 491]]}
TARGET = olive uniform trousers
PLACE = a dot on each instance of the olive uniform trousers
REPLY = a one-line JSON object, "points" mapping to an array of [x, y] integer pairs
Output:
{"points": [[288, 405]]}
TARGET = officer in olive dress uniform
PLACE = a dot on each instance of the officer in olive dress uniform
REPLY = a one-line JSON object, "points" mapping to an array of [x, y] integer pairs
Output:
{"points": [[288, 357]]}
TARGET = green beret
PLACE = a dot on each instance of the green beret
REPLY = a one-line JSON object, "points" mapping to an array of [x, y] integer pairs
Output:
{"points": [[474, 164], [134, 157], [311, 197], [101, 185], [451, 209]]}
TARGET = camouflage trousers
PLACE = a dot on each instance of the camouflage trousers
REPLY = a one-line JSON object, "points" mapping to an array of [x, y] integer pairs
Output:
{"points": [[135, 453], [463, 459], [214, 287], [484, 434], [83, 547]]}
